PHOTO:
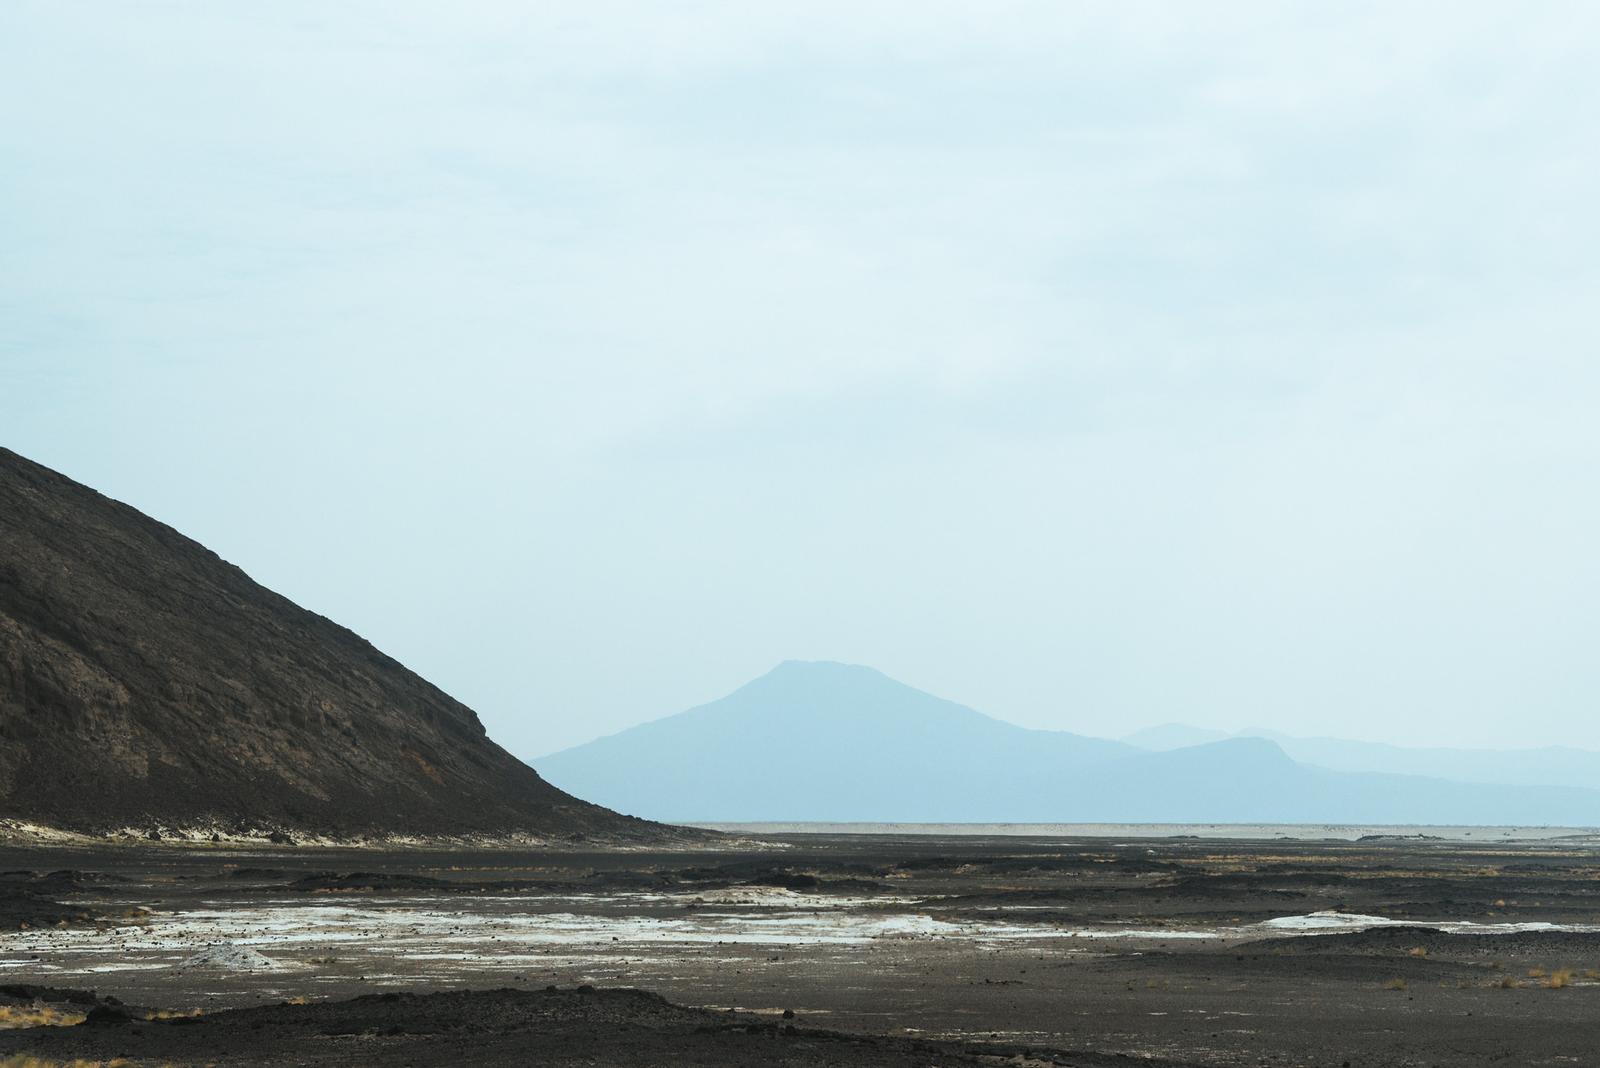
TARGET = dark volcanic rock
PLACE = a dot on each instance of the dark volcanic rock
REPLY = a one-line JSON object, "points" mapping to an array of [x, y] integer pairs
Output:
{"points": [[582, 1026], [146, 683], [1559, 946], [27, 899], [30, 994], [364, 881], [22, 907]]}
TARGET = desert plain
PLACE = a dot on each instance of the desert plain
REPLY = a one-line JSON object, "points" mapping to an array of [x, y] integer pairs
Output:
{"points": [[810, 949]]}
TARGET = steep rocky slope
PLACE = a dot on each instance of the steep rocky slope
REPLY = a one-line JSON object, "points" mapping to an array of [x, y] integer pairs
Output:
{"points": [[146, 683]]}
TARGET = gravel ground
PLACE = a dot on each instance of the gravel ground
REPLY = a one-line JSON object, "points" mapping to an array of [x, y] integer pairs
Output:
{"points": [[886, 950]]}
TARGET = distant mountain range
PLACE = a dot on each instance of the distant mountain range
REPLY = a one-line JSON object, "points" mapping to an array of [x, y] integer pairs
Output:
{"points": [[1543, 766], [837, 742]]}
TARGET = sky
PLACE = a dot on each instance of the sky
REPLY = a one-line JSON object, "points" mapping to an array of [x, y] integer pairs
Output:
{"points": [[1097, 365]]}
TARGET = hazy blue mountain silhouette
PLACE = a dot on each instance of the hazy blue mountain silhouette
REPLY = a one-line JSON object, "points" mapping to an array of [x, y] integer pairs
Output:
{"points": [[824, 741], [1174, 736], [1542, 766], [827, 741]]}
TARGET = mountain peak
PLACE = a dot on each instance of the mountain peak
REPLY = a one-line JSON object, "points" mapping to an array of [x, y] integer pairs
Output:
{"points": [[825, 680], [821, 740], [828, 670], [823, 667]]}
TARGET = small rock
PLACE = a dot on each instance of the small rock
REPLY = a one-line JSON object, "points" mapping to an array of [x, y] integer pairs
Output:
{"points": [[232, 959]]}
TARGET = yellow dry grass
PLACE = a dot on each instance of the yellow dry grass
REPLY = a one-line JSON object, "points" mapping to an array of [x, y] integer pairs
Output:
{"points": [[12, 1016], [173, 1014]]}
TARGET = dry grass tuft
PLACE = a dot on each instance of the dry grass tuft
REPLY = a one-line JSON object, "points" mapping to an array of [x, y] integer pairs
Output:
{"points": [[1559, 979], [1418, 951], [1536, 973], [1395, 984], [173, 1014], [1509, 982], [13, 1016]]}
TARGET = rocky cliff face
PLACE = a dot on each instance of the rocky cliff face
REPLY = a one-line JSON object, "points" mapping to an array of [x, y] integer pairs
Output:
{"points": [[146, 683]]}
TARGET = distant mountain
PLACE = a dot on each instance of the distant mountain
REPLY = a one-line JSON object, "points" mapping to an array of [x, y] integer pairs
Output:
{"points": [[837, 742], [823, 741], [1174, 736], [147, 684], [1544, 766]]}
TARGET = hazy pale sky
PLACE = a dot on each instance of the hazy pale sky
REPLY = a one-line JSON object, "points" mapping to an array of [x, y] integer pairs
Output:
{"points": [[1094, 364]]}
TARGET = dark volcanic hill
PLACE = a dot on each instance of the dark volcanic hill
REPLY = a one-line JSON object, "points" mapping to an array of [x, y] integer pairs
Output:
{"points": [[147, 683]]}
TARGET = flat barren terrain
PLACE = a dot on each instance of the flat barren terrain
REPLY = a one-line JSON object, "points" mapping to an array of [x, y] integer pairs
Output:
{"points": [[811, 950]]}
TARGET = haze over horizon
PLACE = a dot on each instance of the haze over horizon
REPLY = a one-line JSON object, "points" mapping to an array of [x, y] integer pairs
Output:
{"points": [[1157, 737], [1094, 368]]}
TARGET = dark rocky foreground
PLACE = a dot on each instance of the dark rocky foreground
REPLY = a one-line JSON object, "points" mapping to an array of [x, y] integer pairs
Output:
{"points": [[579, 1026], [886, 950], [147, 684]]}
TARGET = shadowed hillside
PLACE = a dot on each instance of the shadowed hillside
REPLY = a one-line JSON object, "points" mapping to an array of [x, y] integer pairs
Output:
{"points": [[147, 683]]}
